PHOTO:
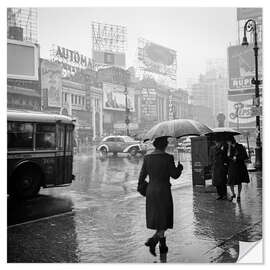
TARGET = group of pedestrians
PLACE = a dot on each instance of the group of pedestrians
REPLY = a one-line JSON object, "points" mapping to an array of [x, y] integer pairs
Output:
{"points": [[227, 158]]}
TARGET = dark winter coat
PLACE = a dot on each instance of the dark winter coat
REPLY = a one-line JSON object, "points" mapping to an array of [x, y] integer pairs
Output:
{"points": [[237, 170], [219, 162], [159, 166]]}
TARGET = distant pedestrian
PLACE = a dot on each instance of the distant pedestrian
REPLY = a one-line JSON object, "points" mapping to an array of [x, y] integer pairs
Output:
{"points": [[237, 170], [160, 166], [219, 164]]}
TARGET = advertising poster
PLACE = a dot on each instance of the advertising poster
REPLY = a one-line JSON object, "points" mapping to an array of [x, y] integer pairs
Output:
{"points": [[114, 97], [22, 52], [157, 59], [51, 79], [149, 104], [241, 111], [241, 64]]}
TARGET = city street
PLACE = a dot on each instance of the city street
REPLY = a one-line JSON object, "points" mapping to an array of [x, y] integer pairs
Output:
{"points": [[101, 218]]}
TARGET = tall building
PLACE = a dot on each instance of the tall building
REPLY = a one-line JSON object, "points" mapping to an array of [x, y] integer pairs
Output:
{"points": [[211, 89], [22, 24], [23, 78]]}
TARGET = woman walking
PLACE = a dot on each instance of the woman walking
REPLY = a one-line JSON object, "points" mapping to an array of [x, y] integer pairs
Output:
{"points": [[237, 170], [159, 166]]}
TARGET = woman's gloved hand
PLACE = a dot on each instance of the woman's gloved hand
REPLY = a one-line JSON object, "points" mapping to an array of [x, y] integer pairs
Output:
{"points": [[180, 166]]}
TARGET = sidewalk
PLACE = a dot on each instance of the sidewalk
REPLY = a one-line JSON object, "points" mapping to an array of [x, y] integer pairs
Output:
{"points": [[205, 230], [210, 230]]}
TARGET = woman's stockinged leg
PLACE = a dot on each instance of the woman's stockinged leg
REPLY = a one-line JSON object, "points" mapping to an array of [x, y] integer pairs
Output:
{"points": [[233, 193], [160, 233], [232, 190], [239, 189], [162, 242], [239, 192], [155, 234]]}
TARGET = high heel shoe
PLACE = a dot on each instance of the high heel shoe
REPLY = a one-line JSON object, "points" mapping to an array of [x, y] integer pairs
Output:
{"points": [[162, 245], [151, 243]]}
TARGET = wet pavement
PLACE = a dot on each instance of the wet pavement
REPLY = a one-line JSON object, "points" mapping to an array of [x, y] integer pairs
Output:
{"points": [[101, 218]]}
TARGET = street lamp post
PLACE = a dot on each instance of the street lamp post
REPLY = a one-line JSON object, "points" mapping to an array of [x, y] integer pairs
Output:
{"points": [[250, 25], [127, 111]]}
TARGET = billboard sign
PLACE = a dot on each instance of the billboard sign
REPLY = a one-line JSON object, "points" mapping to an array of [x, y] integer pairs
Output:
{"points": [[114, 75], [103, 58], [157, 59], [51, 82], [109, 44], [72, 61], [248, 13], [148, 104], [114, 97], [22, 60], [241, 64], [241, 111]]}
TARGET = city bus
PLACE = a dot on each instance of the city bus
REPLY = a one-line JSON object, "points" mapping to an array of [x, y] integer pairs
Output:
{"points": [[40, 152]]}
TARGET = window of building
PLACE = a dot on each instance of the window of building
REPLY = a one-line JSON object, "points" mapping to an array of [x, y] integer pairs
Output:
{"points": [[72, 99]]}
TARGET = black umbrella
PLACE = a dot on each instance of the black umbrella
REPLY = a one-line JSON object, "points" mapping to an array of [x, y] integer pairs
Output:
{"points": [[222, 133]]}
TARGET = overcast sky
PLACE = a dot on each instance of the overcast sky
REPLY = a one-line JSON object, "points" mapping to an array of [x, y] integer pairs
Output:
{"points": [[197, 34]]}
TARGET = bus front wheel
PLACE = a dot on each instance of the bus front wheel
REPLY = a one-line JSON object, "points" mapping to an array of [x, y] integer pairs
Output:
{"points": [[27, 183]]}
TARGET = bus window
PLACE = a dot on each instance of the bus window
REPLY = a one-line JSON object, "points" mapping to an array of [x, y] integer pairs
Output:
{"points": [[45, 136], [69, 138], [20, 135], [61, 137]]}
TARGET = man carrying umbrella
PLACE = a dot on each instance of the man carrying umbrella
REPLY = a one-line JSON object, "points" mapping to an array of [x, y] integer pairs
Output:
{"points": [[219, 163]]}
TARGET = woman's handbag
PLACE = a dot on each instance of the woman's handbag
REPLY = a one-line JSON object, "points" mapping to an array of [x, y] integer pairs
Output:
{"points": [[142, 187]]}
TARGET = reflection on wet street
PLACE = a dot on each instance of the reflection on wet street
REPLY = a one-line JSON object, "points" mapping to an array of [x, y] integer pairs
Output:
{"points": [[107, 222]]}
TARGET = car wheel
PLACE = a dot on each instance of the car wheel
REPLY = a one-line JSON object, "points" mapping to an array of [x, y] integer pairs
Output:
{"points": [[133, 151], [26, 183], [103, 152]]}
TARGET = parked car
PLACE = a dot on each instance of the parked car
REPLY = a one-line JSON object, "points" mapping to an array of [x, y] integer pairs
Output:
{"points": [[120, 144], [147, 147]]}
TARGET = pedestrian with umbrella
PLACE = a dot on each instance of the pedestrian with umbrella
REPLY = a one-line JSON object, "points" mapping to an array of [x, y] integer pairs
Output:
{"points": [[160, 166], [237, 170], [219, 164], [219, 159]]}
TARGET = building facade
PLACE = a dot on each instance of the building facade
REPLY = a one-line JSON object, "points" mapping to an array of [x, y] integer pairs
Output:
{"points": [[241, 70]]}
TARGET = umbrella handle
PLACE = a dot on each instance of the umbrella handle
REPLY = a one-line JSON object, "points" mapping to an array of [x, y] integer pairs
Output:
{"points": [[177, 155]]}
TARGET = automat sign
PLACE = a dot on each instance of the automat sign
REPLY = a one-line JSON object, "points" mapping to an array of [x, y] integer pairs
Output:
{"points": [[72, 61]]}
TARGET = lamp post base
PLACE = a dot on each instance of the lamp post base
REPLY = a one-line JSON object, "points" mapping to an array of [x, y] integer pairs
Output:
{"points": [[258, 158]]}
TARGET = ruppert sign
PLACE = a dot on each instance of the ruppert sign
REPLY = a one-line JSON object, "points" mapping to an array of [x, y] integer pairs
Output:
{"points": [[241, 64]]}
